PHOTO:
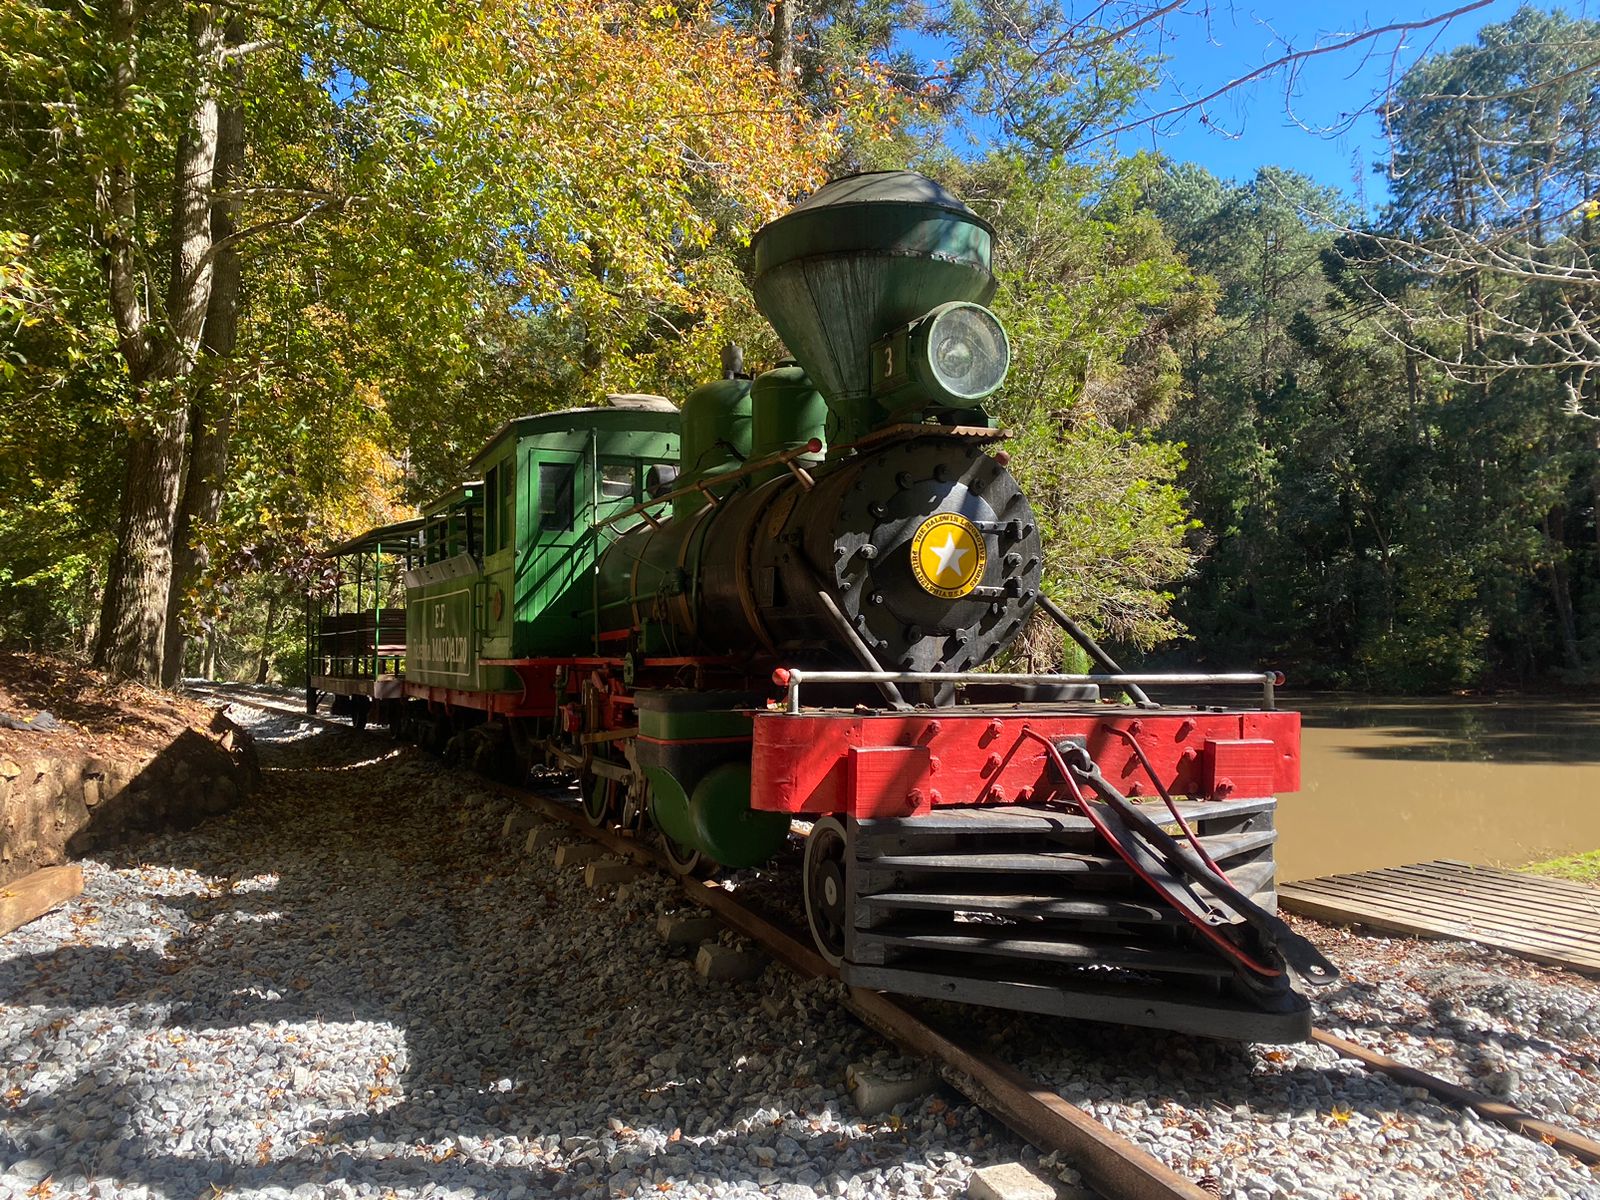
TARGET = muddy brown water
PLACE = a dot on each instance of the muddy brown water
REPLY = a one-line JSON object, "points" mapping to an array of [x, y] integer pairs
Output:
{"points": [[1491, 781]]}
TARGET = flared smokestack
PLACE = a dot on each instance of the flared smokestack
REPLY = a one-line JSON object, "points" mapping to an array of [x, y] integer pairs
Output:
{"points": [[860, 257]]}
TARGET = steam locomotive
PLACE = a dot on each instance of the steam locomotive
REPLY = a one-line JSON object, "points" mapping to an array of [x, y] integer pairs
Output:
{"points": [[766, 612]]}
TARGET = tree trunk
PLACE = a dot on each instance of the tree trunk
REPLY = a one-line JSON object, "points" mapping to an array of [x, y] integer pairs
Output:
{"points": [[212, 415], [1594, 491], [115, 207], [264, 660], [1560, 588], [781, 56], [134, 615]]}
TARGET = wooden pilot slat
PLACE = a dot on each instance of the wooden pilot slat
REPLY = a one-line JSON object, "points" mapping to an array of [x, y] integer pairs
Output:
{"points": [[1546, 920], [23, 900]]}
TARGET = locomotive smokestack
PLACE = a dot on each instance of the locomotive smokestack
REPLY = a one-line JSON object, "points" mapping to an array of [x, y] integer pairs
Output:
{"points": [[859, 258]]}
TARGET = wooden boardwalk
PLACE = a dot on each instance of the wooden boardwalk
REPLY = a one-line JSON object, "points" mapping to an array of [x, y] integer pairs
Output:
{"points": [[1546, 920]]}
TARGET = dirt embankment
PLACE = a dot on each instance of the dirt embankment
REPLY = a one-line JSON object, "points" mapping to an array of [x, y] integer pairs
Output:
{"points": [[118, 759]]}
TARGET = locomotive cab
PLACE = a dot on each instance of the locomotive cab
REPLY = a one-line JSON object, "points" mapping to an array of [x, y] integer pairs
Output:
{"points": [[509, 570]]}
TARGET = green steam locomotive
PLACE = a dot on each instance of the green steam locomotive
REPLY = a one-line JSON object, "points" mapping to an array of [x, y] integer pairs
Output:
{"points": [[765, 615]]}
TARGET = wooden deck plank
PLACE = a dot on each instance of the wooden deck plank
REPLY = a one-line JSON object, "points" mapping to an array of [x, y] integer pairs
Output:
{"points": [[1521, 878], [1461, 907], [1406, 920], [1569, 953], [1548, 921], [1390, 922], [1531, 887], [1580, 943], [1496, 888], [1498, 911]]}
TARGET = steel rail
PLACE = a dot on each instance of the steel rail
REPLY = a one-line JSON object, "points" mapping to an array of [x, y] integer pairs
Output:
{"points": [[1107, 1160], [1582, 1148]]}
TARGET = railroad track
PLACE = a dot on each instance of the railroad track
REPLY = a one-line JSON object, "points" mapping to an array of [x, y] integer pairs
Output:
{"points": [[1114, 1165]]}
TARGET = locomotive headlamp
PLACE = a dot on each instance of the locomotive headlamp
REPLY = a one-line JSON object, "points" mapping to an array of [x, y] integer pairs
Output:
{"points": [[954, 356]]}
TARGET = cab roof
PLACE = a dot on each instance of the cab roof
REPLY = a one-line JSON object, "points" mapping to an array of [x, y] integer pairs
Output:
{"points": [[621, 412]]}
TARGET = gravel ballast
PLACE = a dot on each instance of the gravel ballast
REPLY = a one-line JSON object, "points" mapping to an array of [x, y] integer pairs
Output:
{"points": [[355, 986]]}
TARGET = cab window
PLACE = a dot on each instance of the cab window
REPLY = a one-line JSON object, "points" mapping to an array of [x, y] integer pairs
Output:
{"points": [[555, 496], [617, 480], [506, 497], [491, 510]]}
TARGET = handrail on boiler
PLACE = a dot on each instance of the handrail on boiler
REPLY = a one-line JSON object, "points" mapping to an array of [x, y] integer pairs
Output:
{"points": [[792, 677], [781, 458]]}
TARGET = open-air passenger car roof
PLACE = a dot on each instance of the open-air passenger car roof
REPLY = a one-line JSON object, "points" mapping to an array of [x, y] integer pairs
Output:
{"points": [[394, 539]]}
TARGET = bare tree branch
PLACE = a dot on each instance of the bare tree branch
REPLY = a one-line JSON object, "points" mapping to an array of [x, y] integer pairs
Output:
{"points": [[1292, 59]]}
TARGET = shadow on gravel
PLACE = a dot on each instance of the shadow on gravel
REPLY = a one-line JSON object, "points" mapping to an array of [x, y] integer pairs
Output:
{"points": [[374, 992]]}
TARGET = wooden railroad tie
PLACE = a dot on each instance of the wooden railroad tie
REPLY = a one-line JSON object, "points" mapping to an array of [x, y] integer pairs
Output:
{"points": [[27, 899]]}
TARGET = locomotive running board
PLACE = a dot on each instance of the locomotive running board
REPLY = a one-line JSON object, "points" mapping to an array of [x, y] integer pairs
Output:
{"points": [[1026, 909]]}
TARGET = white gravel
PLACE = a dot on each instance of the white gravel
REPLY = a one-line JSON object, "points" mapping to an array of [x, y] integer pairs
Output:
{"points": [[352, 986], [1255, 1122]]}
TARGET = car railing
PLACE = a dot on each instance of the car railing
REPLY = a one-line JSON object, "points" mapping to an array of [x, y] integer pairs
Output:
{"points": [[790, 678]]}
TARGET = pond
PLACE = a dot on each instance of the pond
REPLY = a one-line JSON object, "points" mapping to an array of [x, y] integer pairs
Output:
{"points": [[1384, 781]]}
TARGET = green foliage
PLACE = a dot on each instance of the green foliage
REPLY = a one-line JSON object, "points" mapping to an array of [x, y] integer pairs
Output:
{"points": [[1376, 518], [446, 216], [1096, 303], [1113, 523], [909, 78], [1360, 452]]}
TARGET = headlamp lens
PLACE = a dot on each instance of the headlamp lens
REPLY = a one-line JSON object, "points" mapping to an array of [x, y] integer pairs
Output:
{"points": [[969, 353]]}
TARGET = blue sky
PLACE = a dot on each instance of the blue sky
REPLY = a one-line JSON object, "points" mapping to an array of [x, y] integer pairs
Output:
{"points": [[1253, 125]]}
